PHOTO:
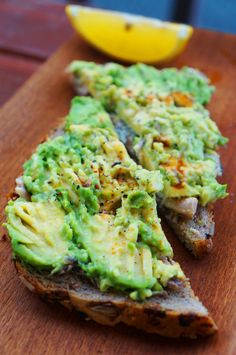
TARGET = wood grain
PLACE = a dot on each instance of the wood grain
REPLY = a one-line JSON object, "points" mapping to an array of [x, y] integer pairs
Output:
{"points": [[33, 28], [13, 73], [27, 325]]}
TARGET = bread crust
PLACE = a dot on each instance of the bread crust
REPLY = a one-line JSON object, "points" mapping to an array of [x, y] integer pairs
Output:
{"points": [[195, 233], [174, 313]]}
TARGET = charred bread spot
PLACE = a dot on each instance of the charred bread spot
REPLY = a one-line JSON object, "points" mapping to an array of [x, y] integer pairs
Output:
{"points": [[208, 236], [82, 315], [58, 295], [160, 314], [47, 298], [185, 320], [155, 316]]}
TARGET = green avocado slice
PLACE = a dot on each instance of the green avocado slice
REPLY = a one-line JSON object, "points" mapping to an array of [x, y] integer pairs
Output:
{"points": [[37, 233]]}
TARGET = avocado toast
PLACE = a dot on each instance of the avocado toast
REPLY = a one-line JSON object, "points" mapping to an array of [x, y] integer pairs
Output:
{"points": [[159, 116], [85, 232]]}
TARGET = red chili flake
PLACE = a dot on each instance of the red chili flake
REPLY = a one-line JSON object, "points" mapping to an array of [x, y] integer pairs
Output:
{"points": [[87, 183], [179, 185]]}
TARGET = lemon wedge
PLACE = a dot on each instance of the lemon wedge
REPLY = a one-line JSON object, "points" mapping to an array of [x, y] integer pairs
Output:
{"points": [[129, 37]]}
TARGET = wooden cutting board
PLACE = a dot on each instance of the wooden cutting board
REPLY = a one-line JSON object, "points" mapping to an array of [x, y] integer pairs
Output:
{"points": [[30, 326]]}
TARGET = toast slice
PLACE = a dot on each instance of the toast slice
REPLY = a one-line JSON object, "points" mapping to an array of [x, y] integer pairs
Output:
{"points": [[134, 95], [174, 313], [195, 230], [106, 258]]}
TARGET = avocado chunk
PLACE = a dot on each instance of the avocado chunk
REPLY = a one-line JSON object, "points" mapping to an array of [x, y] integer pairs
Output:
{"points": [[85, 110], [37, 233], [114, 254]]}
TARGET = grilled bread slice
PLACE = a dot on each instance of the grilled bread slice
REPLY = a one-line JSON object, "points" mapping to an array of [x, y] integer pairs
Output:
{"points": [[47, 239], [174, 313]]}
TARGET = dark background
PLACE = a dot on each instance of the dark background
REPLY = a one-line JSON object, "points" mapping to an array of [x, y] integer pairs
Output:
{"points": [[212, 14]]}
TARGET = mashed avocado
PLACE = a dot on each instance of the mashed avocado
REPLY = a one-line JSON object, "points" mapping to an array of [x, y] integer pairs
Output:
{"points": [[142, 79], [90, 112], [93, 207], [173, 132]]}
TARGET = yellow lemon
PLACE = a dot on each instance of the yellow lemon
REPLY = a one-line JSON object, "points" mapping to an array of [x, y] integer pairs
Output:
{"points": [[129, 37]]}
